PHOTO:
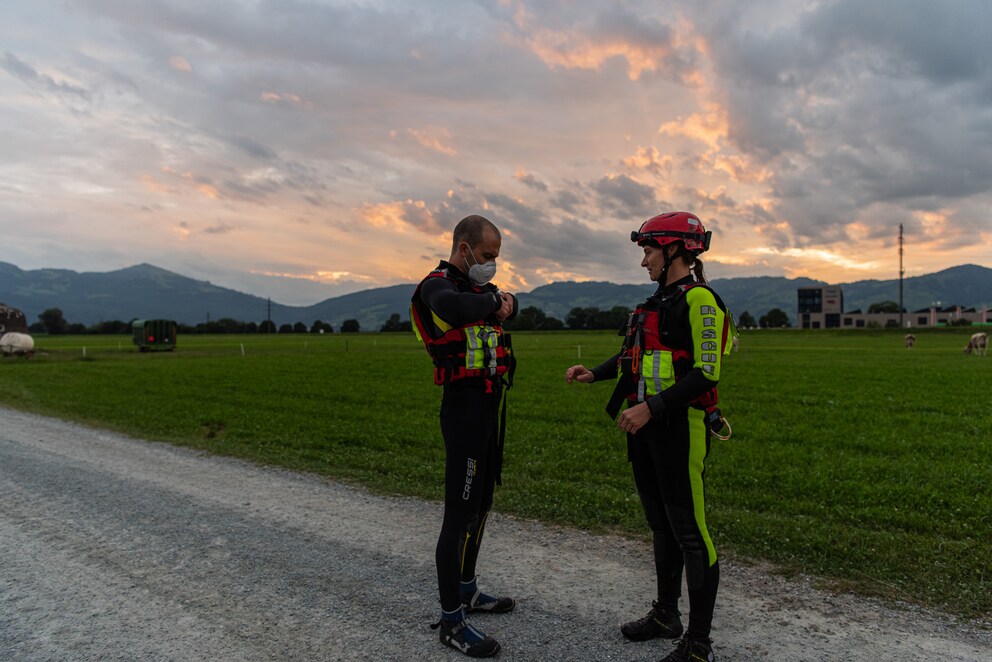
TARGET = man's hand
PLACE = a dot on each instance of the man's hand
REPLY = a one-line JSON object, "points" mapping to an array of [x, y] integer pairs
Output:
{"points": [[506, 309], [579, 373], [634, 418]]}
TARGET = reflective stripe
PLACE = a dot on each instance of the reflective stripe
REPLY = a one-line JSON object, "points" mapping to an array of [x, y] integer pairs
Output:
{"points": [[697, 455], [440, 323], [473, 348], [480, 348], [657, 373]]}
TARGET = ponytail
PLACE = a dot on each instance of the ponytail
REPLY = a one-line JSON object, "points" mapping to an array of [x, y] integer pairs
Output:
{"points": [[695, 264], [697, 270]]}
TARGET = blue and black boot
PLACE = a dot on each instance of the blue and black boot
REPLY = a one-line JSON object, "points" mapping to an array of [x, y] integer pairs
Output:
{"points": [[455, 631], [474, 600]]}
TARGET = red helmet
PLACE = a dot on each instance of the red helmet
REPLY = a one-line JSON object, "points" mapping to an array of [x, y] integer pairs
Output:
{"points": [[671, 227]]}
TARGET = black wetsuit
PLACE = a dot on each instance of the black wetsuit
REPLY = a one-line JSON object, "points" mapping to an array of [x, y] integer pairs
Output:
{"points": [[470, 427], [667, 454]]}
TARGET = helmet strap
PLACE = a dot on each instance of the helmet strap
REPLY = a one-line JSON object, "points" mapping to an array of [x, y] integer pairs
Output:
{"points": [[669, 259]]}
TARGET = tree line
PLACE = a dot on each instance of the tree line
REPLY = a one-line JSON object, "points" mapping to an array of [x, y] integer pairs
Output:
{"points": [[53, 322], [531, 318]]}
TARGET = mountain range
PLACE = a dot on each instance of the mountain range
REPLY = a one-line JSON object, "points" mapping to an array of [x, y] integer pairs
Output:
{"points": [[146, 291]]}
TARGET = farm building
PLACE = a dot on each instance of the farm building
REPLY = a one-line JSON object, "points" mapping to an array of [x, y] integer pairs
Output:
{"points": [[822, 308], [12, 320]]}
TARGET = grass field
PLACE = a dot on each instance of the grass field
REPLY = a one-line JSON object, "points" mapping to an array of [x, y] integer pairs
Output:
{"points": [[853, 459]]}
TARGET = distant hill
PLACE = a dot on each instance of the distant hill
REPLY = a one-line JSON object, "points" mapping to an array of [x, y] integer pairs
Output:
{"points": [[146, 291]]}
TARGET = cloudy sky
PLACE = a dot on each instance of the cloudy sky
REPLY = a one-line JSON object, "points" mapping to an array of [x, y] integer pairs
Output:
{"points": [[301, 149]]}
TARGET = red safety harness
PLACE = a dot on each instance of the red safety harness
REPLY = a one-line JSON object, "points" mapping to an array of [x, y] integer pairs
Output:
{"points": [[476, 349], [642, 333]]}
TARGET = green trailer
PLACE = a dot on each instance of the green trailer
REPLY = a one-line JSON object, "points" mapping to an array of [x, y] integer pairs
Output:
{"points": [[154, 335]]}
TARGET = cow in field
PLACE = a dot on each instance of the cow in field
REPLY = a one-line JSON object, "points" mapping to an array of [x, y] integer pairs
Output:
{"points": [[909, 340], [978, 345], [735, 343]]}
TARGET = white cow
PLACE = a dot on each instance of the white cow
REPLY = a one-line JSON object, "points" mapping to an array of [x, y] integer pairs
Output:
{"points": [[735, 343], [979, 344], [910, 340], [16, 343]]}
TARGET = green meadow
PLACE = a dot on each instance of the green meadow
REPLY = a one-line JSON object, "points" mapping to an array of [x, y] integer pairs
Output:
{"points": [[853, 460]]}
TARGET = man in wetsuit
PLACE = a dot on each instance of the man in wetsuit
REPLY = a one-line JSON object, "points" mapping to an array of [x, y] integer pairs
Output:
{"points": [[458, 315]]}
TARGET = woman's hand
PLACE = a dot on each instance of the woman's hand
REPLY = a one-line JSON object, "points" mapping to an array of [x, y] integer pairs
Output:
{"points": [[634, 418], [579, 373]]}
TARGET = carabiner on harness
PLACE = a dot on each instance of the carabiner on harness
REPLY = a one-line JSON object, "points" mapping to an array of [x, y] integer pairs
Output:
{"points": [[718, 425]]}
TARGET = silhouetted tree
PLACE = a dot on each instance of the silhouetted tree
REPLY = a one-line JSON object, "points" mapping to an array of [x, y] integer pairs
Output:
{"points": [[350, 326], [299, 327], [321, 327], [746, 321], [53, 321], [268, 326], [578, 318], [286, 328], [776, 318], [528, 319], [613, 318], [394, 323]]}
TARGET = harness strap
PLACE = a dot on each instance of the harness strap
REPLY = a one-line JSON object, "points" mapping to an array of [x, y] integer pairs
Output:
{"points": [[501, 438], [620, 392]]}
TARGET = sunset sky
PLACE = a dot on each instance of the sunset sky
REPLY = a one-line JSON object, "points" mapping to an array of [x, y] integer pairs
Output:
{"points": [[305, 149]]}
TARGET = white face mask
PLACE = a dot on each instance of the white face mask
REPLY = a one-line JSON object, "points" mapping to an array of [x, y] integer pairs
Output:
{"points": [[480, 274]]}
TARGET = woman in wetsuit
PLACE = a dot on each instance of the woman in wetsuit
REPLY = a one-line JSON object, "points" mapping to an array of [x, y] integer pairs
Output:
{"points": [[666, 373]]}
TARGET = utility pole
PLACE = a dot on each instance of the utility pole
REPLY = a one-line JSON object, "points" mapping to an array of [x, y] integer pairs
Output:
{"points": [[901, 272]]}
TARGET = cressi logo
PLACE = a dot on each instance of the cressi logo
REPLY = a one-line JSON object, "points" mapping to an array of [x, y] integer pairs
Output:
{"points": [[469, 475]]}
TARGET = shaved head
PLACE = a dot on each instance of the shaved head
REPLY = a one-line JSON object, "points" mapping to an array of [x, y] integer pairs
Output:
{"points": [[472, 230]]}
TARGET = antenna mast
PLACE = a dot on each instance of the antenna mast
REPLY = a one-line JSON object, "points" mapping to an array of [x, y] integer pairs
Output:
{"points": [[901, 272]]}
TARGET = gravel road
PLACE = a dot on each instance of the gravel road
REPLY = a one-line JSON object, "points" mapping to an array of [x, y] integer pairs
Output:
{"points": [[114, 548]]}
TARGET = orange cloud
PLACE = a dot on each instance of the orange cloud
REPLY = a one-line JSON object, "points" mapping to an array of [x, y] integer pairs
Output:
{"points": [[208, 190], [182, 231], [650, 159], [573, 50], [934, 223], [740, 169], [710, 126], [293, 99], [432, 138], [179, 63], [823, 255], [412, 214], [857, 231], [318, 276], [155, 186], [383, 215]]}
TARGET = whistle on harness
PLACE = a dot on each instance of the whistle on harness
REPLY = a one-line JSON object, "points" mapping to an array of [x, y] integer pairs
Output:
{"points": [[718, 425]]}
